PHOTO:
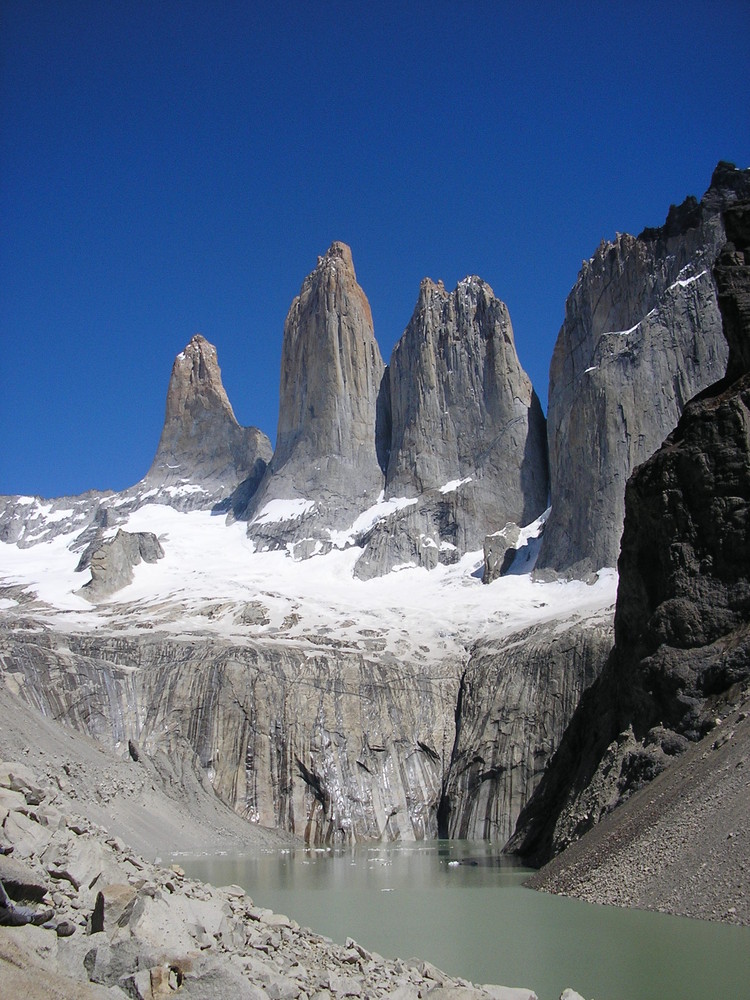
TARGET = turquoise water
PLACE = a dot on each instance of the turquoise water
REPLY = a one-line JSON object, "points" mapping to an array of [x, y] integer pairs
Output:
{"points": [[476, 920]]}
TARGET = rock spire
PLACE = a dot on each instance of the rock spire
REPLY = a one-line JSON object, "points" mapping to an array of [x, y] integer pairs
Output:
{"points": [[201, 442], [462, 408], [331, 372]]}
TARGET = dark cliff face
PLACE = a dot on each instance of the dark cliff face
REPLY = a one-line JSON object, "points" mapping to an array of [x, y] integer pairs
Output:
{"points": [[642, 335], [682, 624]]}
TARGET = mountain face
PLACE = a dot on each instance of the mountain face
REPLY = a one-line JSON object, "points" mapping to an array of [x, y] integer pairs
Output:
{"points": [[331, 371], [641, 336], [462, 410], [201, 441], [682, 623], [345, 710]]}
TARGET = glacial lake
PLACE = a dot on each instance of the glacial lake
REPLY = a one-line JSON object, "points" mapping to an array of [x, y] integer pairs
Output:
{"points": [[476, 920]]}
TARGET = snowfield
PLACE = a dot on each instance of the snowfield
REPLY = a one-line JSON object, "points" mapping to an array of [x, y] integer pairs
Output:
{"points": [[211, 582]]}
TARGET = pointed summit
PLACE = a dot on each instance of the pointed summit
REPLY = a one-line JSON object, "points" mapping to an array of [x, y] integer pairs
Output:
{"points": [[201, 442], [331, 373]]}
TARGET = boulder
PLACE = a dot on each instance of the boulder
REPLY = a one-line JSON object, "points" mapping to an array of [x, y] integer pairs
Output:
{"points": [[21, 882], [500, 551], [112, 562]]}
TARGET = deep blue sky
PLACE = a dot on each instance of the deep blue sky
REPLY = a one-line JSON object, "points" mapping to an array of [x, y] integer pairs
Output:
{"points": [[168, 168]]}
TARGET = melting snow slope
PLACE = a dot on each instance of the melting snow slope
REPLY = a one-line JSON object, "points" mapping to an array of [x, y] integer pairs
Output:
{"points": [[212, 582]]}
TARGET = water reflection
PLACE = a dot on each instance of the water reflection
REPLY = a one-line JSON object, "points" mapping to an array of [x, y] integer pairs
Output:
{"points": [[462, 906]]}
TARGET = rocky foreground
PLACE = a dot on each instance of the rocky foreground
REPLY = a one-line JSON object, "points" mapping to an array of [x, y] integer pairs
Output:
{"points": [[116, 925]]}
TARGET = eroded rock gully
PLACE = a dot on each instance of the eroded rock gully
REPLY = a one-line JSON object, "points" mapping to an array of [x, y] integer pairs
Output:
{"points": [[331, 744]]}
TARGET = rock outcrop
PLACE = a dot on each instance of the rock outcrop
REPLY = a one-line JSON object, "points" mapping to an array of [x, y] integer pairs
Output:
{"points": [[499, 551], [641, 336], [463, 411], [112, 562], [682, 624], [680, 844], [203, 454], [326, 460]]}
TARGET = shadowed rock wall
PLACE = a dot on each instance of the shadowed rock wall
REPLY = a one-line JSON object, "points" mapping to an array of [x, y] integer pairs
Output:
{"points": [[682, 624]]}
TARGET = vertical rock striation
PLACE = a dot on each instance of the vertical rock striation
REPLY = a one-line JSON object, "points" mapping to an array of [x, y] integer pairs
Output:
{"points": [[462, 408], [466, 432], [331, 375], [201, 442], [682, 623], [331, 745], [642, 334], [517, 696]]}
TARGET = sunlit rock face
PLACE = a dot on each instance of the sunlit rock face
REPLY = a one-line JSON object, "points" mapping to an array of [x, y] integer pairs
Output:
{"points": [[201, 441], [333, 746], [331, 372], [463, 411], [641, 336]]}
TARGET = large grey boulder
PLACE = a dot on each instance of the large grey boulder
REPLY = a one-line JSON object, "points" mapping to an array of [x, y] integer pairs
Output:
{"points": [[641, 336], [201, 443], [462, 410], [325, 463], [112, 562]]}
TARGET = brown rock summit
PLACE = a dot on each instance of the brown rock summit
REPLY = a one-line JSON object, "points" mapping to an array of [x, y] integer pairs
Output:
{"points": [[201, 442]]}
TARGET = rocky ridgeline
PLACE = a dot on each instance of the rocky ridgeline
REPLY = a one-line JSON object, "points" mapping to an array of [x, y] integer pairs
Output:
{"points": [[450, 435], [682, 632], [642, 335], [116, 926]]}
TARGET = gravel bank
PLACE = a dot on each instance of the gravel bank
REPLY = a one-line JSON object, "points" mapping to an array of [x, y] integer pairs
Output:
{"points": [[681, 845]]}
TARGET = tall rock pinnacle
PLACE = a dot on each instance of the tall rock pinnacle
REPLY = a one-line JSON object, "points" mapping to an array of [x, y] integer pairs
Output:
{"points": [[462, 407], [467, 448], [642, 334], [201, 442], [331, 372]]}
